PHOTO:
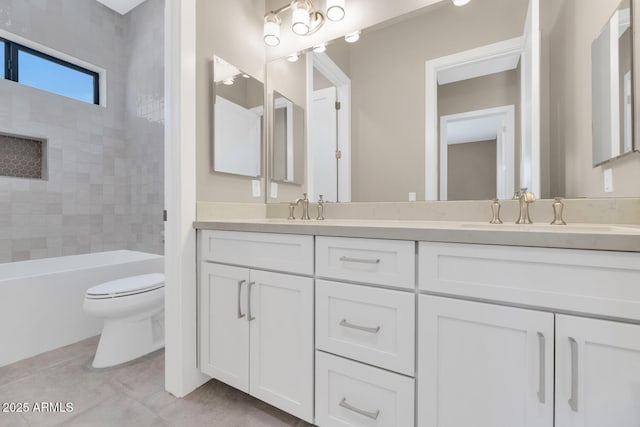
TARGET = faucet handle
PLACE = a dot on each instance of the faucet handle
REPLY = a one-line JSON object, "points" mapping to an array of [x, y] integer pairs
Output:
{"points": [[291, 211], [495, 212], [320, 209], [558, 208]]}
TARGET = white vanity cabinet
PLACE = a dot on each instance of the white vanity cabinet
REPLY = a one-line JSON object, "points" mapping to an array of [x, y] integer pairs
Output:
{"points": [[365, 335], [256, 326], [597, 373], [485, 365]]}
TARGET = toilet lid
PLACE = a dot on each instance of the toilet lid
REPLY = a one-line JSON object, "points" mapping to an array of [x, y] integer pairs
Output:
{"points": [[127, 286]]}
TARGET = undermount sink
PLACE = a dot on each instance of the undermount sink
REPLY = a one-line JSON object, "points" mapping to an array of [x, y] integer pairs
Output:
{"points": [[577, 228]]}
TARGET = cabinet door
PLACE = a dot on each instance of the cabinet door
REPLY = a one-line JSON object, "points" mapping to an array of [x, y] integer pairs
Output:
{"points": [[597, 373], [484, 365], [281, 330], [224, 326]]}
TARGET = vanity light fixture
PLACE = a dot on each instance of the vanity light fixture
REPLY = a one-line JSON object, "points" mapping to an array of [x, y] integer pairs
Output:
{"points": [[293, 57], [320, 48], [352, 37], [460, 2], [305, 19], [335, 10]]}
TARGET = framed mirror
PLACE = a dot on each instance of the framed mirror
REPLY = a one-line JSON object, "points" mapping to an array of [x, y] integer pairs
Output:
{"points": [[288, 140], [612, 85], [238, 123]]}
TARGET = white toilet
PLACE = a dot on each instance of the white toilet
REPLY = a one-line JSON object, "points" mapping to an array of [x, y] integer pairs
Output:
{"points": [[133, 313]]}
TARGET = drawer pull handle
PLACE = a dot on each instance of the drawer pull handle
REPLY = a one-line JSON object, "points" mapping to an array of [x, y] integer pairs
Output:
{"points": [[250, 318], [346, 324], [373, 415], [573, 400], [360, 260], [240, 313]]}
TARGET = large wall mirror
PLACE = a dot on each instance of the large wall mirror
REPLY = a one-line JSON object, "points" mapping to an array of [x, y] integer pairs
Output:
{"points": [[238, 113], [458, 103], [612, 74]]}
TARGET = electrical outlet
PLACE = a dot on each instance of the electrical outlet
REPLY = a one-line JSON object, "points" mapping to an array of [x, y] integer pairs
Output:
{"points": [[255, 187], [412, 196], [274, 190], [608, 180]]}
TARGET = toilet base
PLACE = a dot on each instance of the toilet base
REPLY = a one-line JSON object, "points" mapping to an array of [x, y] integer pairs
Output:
{"points": [[123, 340]]}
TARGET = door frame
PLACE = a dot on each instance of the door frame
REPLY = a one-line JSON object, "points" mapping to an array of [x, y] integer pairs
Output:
{"points": [[433, 67], [505, 148], [329, 69]]}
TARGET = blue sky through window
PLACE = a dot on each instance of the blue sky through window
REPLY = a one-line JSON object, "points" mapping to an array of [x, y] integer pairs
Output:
{"points": [[2, 70], [43, 74]]}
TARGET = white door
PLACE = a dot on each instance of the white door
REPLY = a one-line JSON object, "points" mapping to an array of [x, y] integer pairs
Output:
{"points": [[281, 330], [597, 373], [323, 137], [224, 334], [484, 365]]}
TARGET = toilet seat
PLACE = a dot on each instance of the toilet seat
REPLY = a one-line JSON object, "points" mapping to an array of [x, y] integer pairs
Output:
{"points": [[127, 286]]}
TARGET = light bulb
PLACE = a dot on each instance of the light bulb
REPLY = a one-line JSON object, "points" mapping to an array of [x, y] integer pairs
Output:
{"points": [[460, 2], [293, 57], [300, 20], [320, 48], [271, 30], [335, 10], [353, 37]]}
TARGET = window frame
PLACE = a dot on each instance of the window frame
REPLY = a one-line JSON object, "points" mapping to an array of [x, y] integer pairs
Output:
{"points": [[12, 66]]}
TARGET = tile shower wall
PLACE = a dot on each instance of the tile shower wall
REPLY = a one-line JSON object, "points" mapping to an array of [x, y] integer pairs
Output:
{"points": [[94, 153]]}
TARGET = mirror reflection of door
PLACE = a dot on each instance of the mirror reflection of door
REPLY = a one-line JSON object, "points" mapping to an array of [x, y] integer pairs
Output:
{"points": [[324, 143]]}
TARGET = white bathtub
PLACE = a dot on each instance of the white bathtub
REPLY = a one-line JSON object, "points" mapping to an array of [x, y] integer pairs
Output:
{"points": [[41, 300]]}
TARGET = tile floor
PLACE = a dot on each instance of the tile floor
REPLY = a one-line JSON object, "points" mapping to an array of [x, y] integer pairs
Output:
{"points": [[130, 395]]}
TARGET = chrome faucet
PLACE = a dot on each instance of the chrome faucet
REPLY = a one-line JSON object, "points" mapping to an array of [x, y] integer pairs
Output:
{"points": [[305, 207], [526, 198]]}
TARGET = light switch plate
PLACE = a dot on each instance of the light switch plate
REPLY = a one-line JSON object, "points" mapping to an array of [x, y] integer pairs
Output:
{"points": [[255, 187], [412, 196], [608, 180], [274, 190]]}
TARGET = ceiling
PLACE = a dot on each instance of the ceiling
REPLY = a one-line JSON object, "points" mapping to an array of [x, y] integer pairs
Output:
{"points": [[474, 129], [121, 6]]}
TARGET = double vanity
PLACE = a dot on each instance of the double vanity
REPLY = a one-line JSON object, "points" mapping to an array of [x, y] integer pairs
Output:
{"points": [[410, 323]]}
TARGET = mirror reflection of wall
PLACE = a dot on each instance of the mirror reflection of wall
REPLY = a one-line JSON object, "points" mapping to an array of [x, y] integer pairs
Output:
{"points": [[373, 148], [238, 121], [611, 60], [288, 140], [287, 91]]}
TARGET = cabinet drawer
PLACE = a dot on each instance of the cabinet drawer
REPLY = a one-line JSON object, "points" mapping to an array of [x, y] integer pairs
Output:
{"points": [[352, 394], [280, 252], [375, 326], [382, 262], [603, 283]]}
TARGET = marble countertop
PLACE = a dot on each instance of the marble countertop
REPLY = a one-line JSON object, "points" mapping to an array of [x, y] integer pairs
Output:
{"points": [[572, 236]]}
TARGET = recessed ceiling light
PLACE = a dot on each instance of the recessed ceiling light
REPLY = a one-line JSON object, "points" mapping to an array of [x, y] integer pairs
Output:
{"points": [[353, 37], [460, 2], [228, 81], [293, 57]]}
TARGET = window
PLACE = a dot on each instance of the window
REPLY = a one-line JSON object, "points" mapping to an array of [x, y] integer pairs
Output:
{"points": [[36, 69]]}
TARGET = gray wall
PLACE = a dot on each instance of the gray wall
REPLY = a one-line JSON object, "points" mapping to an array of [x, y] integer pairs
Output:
{"points": [[104, 190], [472, 171]]}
